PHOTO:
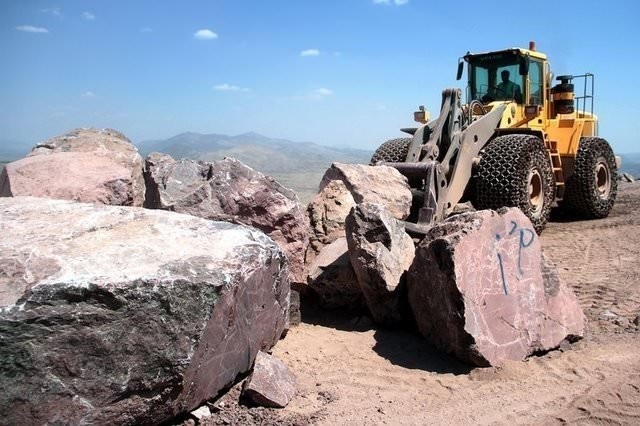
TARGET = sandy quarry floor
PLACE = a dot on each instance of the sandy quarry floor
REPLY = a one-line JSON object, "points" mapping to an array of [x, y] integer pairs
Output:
{"points": [[350, 372]]}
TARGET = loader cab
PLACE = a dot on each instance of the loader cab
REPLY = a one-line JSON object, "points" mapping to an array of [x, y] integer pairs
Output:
{"points": [[524, 70]]}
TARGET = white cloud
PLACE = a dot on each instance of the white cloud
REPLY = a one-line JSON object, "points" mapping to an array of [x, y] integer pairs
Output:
{"points": [[389, 2], [32, 29], [225, 87], [323, 91], [313, 95], [88, 94], [55, 11], [310, 52], [319, 94], [145, 30], [205, 34], [88, 16]]}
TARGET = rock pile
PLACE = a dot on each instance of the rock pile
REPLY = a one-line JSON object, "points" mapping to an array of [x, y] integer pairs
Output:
{"points": [[125, 315], [342, 187], [121, 315], [477, 285]]}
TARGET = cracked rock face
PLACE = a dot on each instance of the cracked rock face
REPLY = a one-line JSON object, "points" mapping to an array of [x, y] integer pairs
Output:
{"points": [[230, 191], [480, 288], [86, 165], [114, 315], [381, 253]]}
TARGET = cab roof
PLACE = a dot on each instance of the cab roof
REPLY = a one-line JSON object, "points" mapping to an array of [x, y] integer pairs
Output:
{"points": [[513, 50]]}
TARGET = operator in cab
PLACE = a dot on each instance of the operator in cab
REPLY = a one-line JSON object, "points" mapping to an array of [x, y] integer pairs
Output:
{"points": [[507, 89]]}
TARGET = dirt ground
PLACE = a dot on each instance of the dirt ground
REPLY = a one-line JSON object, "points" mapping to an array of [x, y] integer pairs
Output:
{"points": [[351, 372]]}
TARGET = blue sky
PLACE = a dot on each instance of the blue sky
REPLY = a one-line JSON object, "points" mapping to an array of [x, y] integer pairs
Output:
{"points": [[335, 72]]}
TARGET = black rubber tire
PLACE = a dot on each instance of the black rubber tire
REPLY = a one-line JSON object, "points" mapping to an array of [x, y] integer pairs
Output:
{"points": [[392, 151], [508, 165], [584, 196]]}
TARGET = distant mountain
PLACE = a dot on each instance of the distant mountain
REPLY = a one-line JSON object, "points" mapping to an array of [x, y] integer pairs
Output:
{"points": [[268, 155]]}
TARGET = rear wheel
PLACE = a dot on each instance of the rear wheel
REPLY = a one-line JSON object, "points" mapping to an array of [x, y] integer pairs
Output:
{"points": [[392, 151], [591, 190], [515, 171]]}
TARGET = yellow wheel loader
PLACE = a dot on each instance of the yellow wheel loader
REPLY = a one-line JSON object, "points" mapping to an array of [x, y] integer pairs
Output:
{"points": [[521, 140]]}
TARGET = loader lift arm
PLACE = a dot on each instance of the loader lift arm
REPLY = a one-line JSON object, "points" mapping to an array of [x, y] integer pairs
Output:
{"points": [[441, 155]]}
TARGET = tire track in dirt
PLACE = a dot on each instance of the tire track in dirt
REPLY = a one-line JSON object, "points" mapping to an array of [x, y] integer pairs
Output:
{"points": [[599, 258], [614, 401]]}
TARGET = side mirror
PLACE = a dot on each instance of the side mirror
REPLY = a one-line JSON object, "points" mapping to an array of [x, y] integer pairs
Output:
{"points": [[524, 65], [460, 69]]}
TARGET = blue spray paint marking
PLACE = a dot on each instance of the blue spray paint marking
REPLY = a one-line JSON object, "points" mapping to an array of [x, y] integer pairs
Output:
{"points": [[504, 281], [515, 226], [523, 243]]}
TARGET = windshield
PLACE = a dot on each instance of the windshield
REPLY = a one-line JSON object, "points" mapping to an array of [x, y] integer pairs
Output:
{"points": [[495, 78]]}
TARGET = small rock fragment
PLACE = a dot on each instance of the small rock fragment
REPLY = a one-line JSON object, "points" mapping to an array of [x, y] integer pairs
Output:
{"points": [[271, 384], [201, 412], [626, 177]]}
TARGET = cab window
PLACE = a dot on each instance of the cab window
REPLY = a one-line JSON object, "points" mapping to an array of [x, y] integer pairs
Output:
{"points": [[535, 82], [496, 81]]}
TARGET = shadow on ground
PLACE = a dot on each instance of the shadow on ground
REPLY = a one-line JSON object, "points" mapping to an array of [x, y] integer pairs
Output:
{"points": [[410, 350], [399, 346]]}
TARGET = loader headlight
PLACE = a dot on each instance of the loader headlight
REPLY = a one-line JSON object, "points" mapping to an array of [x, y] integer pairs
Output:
{"points": [[421, 116], [531, 110]]}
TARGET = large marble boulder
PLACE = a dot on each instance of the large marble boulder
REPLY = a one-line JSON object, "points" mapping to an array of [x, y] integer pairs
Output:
{"points": [[381, 252], [116, 315], [231, 191], [86, 165], [480, 288]]}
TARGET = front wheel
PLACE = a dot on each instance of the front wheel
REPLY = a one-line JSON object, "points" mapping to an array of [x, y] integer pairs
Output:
{"points": [[592, 188], [515, 171]]}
